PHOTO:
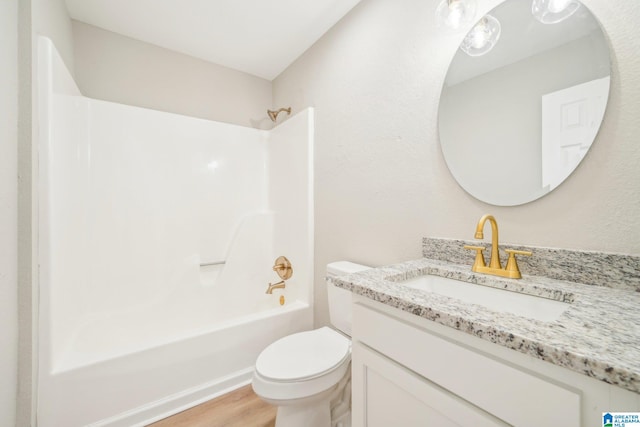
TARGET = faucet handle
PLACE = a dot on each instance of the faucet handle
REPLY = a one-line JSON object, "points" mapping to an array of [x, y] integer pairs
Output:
{"points": [[283, 267], [512, 264], [479, 261], [516, 252]]}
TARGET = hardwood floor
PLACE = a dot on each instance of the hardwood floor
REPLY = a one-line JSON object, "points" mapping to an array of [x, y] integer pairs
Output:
{"points": [[240, 408]]}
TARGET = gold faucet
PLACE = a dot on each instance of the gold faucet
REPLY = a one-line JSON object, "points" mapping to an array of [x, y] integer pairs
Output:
{"points": [[511, 270], [279, 285]]}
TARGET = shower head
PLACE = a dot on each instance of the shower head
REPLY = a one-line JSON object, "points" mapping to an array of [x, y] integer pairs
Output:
{"points": [[273, 115]]}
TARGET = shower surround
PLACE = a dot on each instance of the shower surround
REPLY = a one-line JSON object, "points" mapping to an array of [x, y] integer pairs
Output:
{"points": [[157, 233]]}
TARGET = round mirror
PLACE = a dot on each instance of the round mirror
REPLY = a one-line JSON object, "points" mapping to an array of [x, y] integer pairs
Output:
{"points": [[516, 119]]}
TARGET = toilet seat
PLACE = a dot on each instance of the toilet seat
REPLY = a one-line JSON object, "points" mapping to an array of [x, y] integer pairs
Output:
{"points": [[303, 356], [308, 375], [302, 365]]}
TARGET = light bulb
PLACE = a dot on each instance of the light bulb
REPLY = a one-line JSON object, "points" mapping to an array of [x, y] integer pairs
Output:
{"points": [[478, 36], [482, 37], [454, 14], [553, 11], [557, 6]]}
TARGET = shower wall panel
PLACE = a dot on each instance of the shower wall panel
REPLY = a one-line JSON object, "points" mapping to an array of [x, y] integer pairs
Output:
{"points": [[157, 234]]}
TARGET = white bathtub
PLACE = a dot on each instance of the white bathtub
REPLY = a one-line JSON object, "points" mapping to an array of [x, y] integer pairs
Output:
{"points": [[132, 206], [148, 384]]}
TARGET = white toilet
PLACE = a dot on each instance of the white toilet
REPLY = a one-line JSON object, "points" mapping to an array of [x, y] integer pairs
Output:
{"points": [[308, 374]]}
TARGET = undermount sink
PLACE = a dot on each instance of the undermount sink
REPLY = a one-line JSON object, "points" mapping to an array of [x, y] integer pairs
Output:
{"points": [[495, 299]]}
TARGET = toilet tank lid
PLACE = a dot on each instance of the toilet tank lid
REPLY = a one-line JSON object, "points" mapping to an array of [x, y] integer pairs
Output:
{"points": [[339, 268]]}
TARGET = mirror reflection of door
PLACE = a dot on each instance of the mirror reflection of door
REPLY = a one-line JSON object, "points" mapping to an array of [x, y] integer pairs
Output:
{"points": [[570, 120]]}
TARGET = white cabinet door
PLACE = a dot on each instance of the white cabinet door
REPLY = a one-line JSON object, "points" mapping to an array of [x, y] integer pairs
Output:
{"points": [[385, 394]]}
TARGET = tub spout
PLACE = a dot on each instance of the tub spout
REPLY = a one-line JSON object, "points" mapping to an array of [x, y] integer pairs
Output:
{"points": [[279, 285]]}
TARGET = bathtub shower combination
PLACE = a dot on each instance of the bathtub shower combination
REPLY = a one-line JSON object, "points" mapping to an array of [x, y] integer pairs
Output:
{"points": [[157, 237]]}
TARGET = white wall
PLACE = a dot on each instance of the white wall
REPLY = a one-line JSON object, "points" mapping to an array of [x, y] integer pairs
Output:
{"points": [[116, 68], [381, 180], [8, 210]]}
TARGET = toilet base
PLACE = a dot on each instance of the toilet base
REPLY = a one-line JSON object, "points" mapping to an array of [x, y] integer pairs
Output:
{"points": [[331, 408], [310, 415]]}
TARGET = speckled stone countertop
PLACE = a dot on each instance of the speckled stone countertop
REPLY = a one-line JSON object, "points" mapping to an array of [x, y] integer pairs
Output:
{"points": [[598, 335]]}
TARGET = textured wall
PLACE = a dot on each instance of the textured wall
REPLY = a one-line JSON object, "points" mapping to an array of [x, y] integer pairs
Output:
{"points": [[381, 180], [8, 210], [120, 69]]}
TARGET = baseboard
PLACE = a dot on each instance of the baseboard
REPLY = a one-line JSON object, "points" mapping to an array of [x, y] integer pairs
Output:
{"points": [[170, 405]]}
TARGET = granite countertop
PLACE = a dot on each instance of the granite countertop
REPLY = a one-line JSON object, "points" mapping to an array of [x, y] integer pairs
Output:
{"points": [[598, 335]]}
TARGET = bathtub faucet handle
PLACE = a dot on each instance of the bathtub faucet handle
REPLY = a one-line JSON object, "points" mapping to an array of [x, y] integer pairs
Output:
{"points": [[283, 268]]}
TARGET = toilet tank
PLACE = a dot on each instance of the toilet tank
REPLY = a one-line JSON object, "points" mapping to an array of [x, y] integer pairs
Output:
{"points": [[340, 299]]}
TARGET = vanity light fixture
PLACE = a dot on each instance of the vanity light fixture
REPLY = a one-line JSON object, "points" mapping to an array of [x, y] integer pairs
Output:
{"points": [[454, 14], [553, 11], [482, 37]]}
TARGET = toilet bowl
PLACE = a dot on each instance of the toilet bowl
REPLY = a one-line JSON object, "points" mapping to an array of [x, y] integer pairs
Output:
{"points": [[307, 375]]}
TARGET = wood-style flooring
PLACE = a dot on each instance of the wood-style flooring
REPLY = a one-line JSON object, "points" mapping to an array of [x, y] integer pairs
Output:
{"points": [[240, 408]]}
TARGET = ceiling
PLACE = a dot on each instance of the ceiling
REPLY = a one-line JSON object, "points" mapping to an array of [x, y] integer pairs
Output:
{"points": [[254, 36]]}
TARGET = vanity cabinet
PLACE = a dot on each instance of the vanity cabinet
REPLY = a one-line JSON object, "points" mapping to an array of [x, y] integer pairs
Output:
{"points": [[392, 395], [408, 371]]}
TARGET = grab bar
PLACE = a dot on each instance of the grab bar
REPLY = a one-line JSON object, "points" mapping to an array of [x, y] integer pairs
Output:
{"points": [[206, 264]]}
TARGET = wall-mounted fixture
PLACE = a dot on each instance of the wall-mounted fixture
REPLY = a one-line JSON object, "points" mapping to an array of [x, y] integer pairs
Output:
{"points": [[273, 114], [210, 263], [538, 99], [453, 14], [553, 11], [482, 37], [283, 267], [272, 286]]}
